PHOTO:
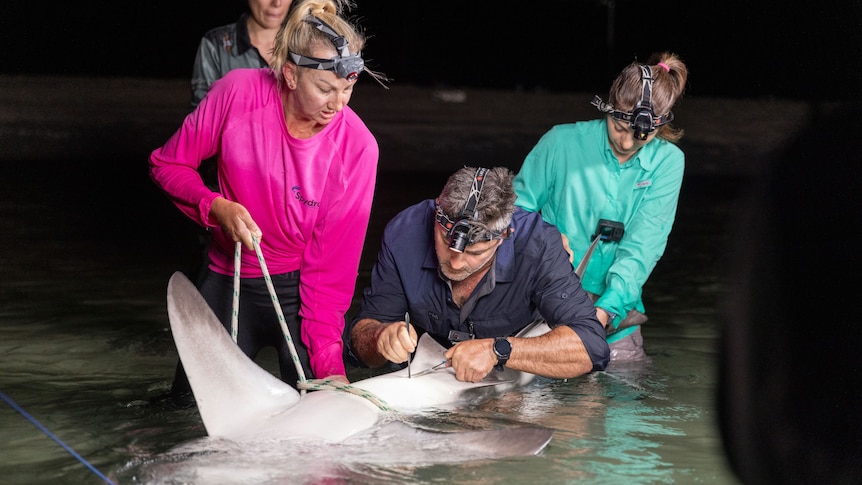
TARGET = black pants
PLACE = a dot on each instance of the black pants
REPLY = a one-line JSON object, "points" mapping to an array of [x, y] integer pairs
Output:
{"points": [[257, 323]]}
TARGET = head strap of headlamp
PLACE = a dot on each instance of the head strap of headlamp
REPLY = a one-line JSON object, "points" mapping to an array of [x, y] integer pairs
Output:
{"points": [[642, 119], [345, 65], [469, 210]]}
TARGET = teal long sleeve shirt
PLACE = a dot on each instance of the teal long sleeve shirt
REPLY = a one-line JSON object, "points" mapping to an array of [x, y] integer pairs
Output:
{"points": [[573, 178]]}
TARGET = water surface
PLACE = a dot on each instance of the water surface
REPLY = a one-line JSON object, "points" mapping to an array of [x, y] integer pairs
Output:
{"points": [[86, 350]]}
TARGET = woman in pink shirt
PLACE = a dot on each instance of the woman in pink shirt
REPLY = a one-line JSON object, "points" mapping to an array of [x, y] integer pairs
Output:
{"points": [[296, 171]]}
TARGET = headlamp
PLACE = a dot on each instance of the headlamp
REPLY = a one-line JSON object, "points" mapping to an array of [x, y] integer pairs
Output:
{"points": [[642, 119], [464, 230], [345, 65], [461, 232]]}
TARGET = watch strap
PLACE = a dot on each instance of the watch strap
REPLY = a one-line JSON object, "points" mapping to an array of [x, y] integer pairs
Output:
{"points": [[503, 352]]}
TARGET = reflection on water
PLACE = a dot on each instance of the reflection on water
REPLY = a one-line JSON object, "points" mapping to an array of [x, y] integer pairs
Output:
{"points": [[86, 350]]}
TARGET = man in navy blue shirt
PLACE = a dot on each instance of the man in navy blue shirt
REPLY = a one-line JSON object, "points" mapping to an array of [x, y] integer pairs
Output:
{"points": [[472, 270]]}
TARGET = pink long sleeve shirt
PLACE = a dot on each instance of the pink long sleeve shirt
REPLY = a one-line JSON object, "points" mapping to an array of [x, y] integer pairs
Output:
{"points": [[310, 197]]}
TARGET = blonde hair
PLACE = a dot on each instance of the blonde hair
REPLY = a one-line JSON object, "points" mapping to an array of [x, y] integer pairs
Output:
{"points": [[298, 36], [669, 75]]}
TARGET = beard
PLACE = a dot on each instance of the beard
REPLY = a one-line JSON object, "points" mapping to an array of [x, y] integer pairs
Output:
{"points": [[463, 273]]}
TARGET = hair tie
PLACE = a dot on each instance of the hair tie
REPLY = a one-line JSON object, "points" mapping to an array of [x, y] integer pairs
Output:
{"points": [[664, 66]]}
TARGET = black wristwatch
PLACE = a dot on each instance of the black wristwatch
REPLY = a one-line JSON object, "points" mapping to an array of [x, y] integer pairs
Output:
{"points": [[502, 349]]}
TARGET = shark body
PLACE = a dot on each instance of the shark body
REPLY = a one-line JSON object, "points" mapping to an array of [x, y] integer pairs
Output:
{"points": [[240, 401]]}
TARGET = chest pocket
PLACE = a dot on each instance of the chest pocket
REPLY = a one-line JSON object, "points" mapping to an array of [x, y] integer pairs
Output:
{"points": [[501, 317]]}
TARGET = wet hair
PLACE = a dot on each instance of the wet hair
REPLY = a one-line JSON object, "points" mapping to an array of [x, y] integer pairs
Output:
{"points": [[298, 36], [669, 75], [496, 202]]}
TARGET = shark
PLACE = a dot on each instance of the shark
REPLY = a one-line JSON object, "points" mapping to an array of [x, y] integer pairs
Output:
{"points": [[240, 401]]}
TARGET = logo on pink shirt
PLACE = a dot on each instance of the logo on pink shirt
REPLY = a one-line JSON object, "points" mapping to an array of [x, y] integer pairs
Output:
{"points": [[302, 200]]}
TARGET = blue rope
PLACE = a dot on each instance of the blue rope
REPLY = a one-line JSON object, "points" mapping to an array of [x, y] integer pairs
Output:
{"points": [[14, 406]]}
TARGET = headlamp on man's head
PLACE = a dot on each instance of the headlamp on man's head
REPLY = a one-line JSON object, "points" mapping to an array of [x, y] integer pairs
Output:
{"points": [[465, 230], [345, 65], [642, 119]]}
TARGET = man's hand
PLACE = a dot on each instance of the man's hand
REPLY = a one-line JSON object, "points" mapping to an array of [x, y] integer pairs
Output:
{"points": [[472, 360], [395, 342], [236, 221], [603, 317]]}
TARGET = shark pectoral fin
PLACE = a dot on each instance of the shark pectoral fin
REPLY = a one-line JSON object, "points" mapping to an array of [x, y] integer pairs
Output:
{"points": [[505, 443], [460, 446], [234, 394]]}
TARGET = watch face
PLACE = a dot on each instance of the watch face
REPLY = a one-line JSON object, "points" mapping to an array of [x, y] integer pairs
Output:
{"points": [[502, 347]]}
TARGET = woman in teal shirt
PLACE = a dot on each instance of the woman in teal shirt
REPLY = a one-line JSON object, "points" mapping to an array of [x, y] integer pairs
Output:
{"points": [[619, 177]]}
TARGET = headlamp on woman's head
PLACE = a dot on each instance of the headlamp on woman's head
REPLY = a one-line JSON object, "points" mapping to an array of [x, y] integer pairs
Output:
{"points": [[345, 65], [642, 120]]}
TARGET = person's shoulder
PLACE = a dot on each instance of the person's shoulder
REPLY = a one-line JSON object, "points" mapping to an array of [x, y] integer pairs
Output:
{"points": [[665, 154], [529, 225], [217, 34], [532, 234], [414, 214], [249, 87], [352, 119], [247, 78], [577, 126], [408, 220], [569, 130], [250, 74], [670, 148], [352, 134], [408, 234]]}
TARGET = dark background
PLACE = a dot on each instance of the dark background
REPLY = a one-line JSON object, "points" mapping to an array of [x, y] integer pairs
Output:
{"points": [[97, 195], [735, 48]]}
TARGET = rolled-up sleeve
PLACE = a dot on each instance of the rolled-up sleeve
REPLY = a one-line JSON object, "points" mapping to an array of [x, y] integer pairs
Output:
{"points": [[562, 301]]}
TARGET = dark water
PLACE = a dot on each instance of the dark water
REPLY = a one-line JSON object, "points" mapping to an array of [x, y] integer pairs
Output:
{"points": [[86, 251]]}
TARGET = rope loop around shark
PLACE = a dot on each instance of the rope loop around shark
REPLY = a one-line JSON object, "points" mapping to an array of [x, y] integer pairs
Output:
{"points": [[240, 401]]}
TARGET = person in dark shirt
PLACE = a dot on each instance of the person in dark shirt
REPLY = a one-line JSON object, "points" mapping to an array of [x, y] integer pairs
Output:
{"points": [[246, 43], [472, 270]]}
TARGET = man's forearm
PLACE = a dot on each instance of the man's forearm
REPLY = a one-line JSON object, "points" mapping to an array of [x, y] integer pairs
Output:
{"points": [[558, 354], [363, 339]]}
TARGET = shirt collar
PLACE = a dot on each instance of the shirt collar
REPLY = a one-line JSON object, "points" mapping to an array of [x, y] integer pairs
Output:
{"points": [[243, 41], [644, 157], [504, 263]]}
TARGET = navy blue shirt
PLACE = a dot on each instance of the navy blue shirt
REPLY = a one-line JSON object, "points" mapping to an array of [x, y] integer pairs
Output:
{"points": [[532, 278]]}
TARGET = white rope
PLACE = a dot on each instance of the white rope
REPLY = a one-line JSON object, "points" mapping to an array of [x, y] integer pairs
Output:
{"points": [[284, 330], [234, 318], [303, 384], [333, 385]]}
